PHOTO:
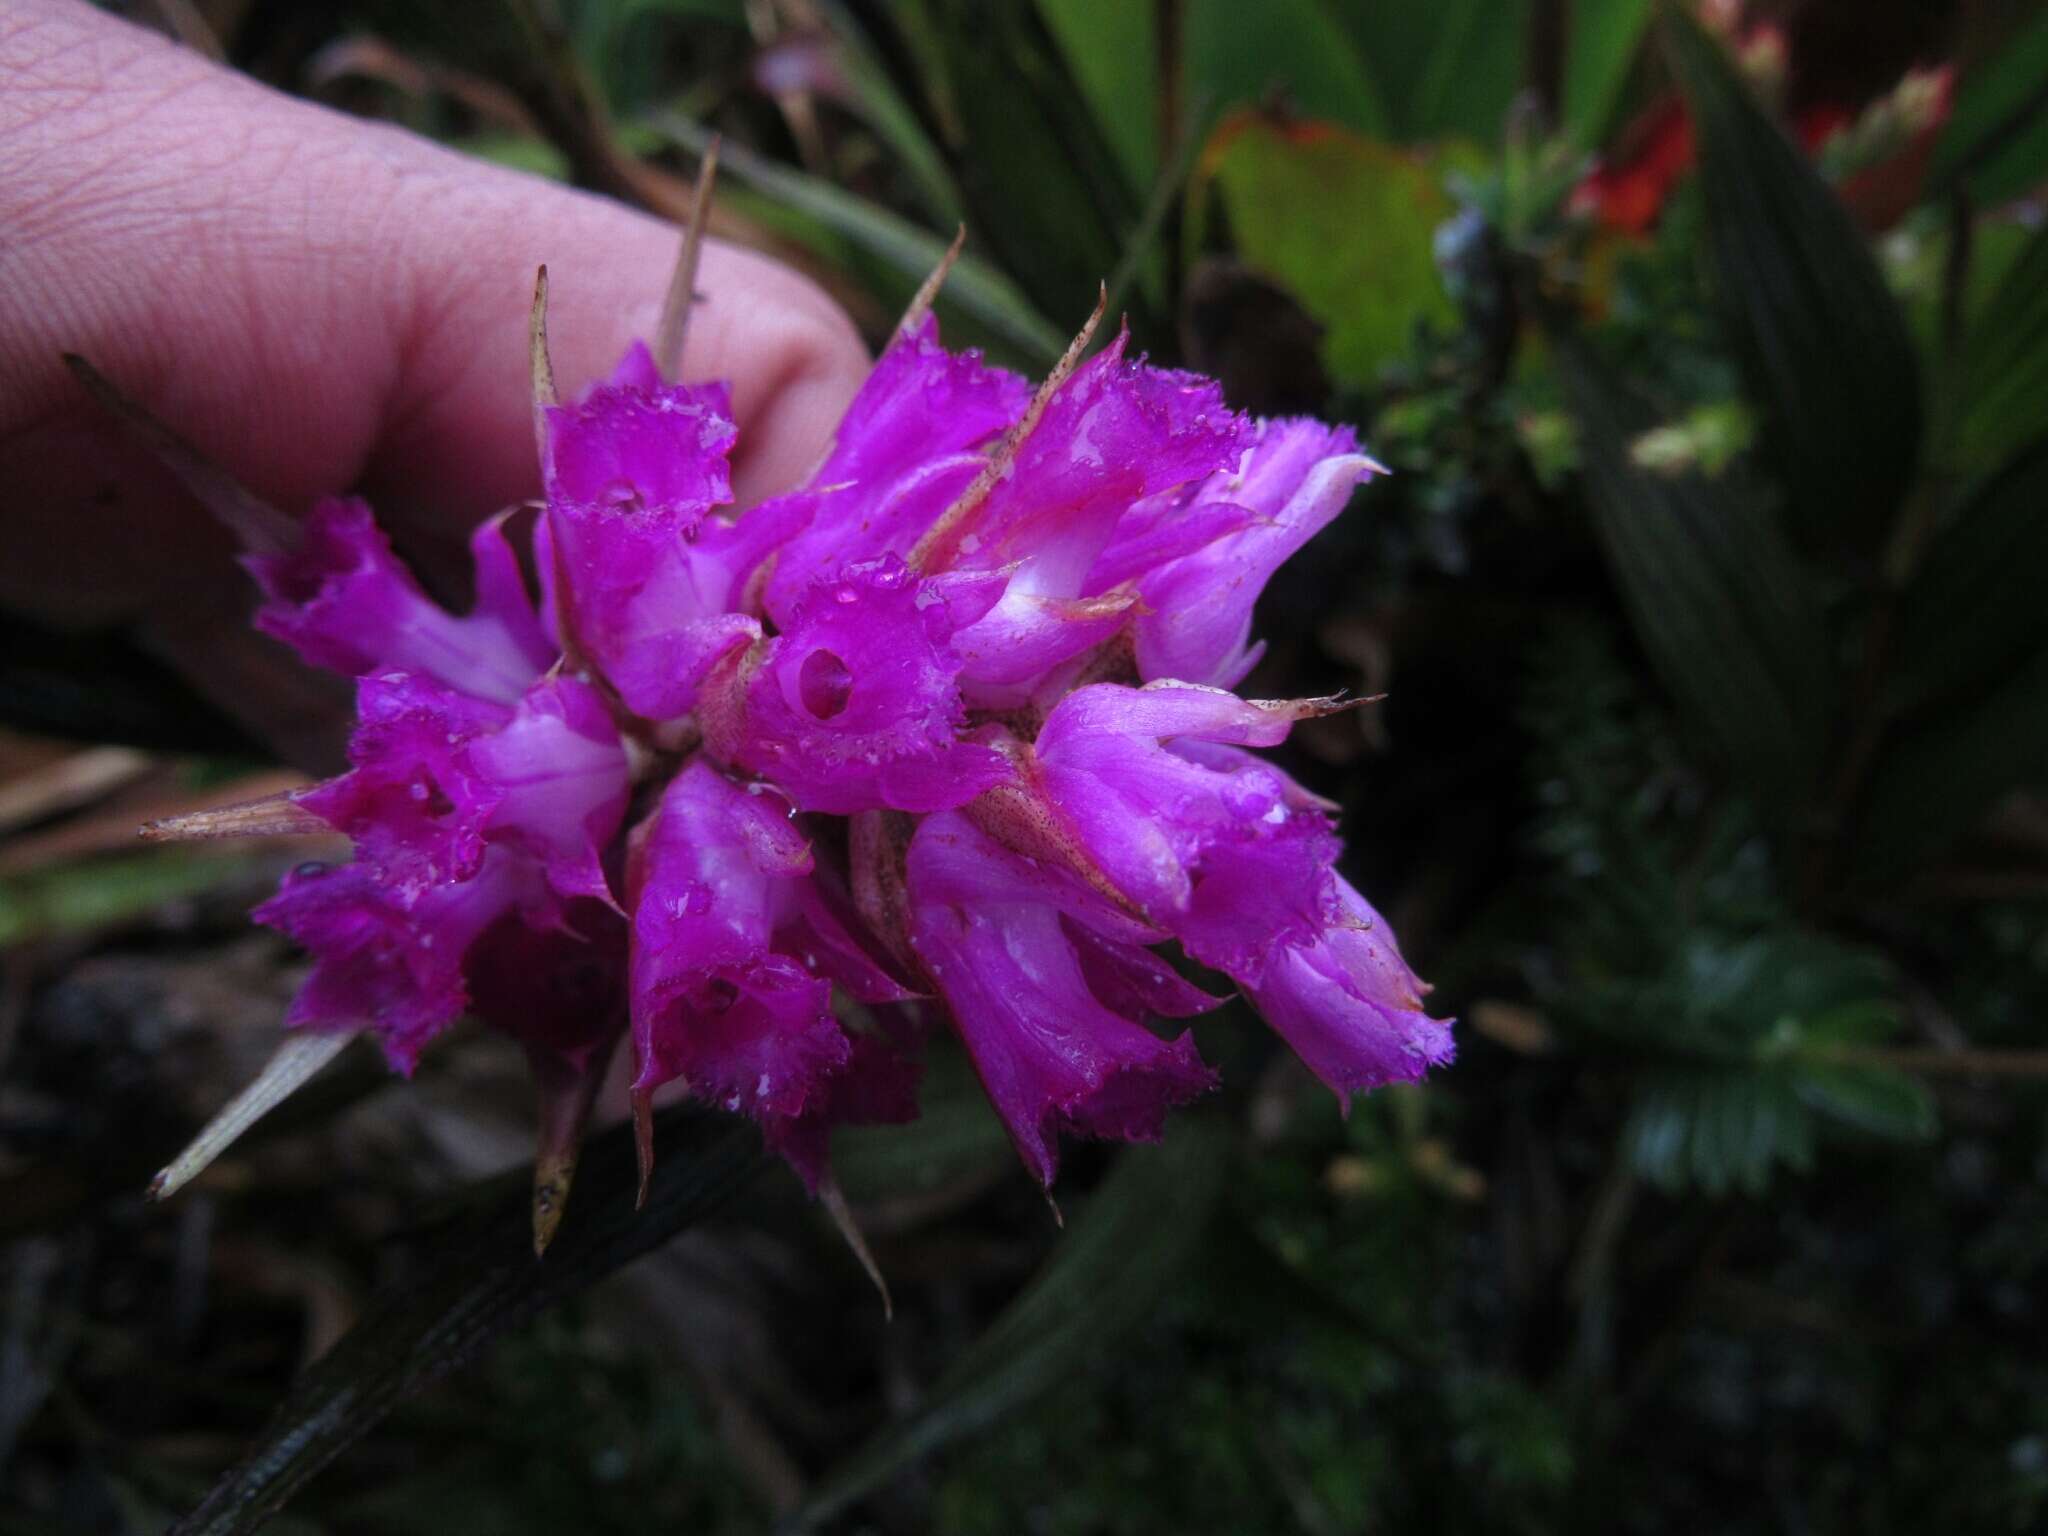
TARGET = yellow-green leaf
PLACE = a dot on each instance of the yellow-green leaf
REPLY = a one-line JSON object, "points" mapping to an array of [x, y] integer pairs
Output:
{"points": [[1346, 224]]}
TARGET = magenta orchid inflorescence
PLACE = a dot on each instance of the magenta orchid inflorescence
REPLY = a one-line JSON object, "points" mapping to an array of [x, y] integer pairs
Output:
{"points": [[944, 734]]}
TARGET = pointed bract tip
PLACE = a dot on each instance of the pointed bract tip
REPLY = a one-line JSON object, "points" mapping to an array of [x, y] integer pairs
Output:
{"points": [[928, 291], [552, 1176], [938, 542], [567, 1092], [834, 1200], [262, 529], [302, 1054], [1076, 349], [674, 329], [1317, 708], [1058, 1217], [643, 1143], [277, 815], [542, 366]]}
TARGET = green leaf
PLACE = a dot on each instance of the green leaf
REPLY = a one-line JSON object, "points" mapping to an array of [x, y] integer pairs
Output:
{"points": [[475, 1278], [892, 118], [1471, 73], [623, 45], [955, 1136], [1447, 67], [1756, 1042], [100, 893], [1605, 35], [1137, 264], [1041, 183], [975, 289], [1871, 1098], [1933, 785], [1823, 346], [1345, 224], [1975, 608], [1995, 143], [1237, 55], [1721, 604], [1730, 1128], [1128, 1246], [2018, 166], [520, 151], [1998, 398], [1717, 1129], [1112, 53]]}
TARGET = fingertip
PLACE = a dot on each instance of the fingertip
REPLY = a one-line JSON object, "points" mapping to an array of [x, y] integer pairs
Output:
{"points": [[461, 433], [323, 304], [804, 362]]}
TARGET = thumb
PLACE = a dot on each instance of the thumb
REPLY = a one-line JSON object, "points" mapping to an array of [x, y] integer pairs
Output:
{"points": [[317, 303]]}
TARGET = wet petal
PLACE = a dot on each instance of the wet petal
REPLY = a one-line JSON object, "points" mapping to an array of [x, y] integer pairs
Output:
{"points": [[650, 578], [560, 776], [391, 968], [719, 878], [439, 775], [902, 454], [854, 706], [1051, 1056], [1297, 476], [344, 602], [414, 804], [1350, 1007]]}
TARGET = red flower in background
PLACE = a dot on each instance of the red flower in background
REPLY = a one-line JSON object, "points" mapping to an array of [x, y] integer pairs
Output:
{"points": [[1877, 153]]}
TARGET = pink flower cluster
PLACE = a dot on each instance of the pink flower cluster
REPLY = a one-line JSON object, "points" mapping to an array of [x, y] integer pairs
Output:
{"points": [[945, 734]]}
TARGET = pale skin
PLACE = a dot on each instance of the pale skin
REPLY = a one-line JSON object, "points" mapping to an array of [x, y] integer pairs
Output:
{"points": [[318, 304]]}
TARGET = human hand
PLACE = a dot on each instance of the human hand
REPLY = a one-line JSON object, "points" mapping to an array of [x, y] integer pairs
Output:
{"points": [[318, 304]]}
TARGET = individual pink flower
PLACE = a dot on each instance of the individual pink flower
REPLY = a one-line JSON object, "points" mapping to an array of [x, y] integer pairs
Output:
{"points": [[910, 444], [405, 971], [1046, 985], [733, 960], [1103, 441], [1196, 617], [1238, 862], [1349, 1006], [856, 704], [645, 577], [439, 774], [343, 602], [1149, 795]]}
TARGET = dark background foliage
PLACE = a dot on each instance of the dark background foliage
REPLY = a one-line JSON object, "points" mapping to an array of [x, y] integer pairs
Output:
{"points": [[1712, 363]]}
